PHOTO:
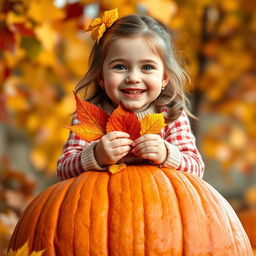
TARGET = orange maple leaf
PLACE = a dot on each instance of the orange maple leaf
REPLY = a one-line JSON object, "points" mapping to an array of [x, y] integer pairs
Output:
{"points": [[152, 123], [93, 120], [91, 114], [87, 132], [125, 121]]}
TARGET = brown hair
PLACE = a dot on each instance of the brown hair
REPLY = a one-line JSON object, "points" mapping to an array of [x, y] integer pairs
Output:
{"points": [[160, 38]]}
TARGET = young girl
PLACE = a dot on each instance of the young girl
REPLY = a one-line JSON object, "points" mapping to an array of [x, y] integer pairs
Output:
{"points": [[133, 64]]}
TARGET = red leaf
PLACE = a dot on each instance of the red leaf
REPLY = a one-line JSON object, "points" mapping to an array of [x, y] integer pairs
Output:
{"points": [[74, 10], [125, 121], [21, 29], [7, 40], [90, 114]]}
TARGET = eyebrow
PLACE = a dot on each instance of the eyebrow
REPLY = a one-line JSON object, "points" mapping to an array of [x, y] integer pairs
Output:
{"points": [[125, 60]]}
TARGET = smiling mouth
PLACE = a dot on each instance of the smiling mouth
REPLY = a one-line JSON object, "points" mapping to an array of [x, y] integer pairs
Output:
{"points": [[132, 91]]}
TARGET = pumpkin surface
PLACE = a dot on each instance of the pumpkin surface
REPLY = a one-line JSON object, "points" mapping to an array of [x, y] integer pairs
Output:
{"points": [[142, 210], [248, 220]]}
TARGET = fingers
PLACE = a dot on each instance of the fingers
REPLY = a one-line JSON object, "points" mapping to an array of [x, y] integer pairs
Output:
{"points": [[149, 141], [115, 140], [115, 135], [112, 147], [150, 146]]}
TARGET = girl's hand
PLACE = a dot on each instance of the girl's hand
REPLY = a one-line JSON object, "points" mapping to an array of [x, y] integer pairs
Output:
{"points": [[150, 146], [112, 147]]}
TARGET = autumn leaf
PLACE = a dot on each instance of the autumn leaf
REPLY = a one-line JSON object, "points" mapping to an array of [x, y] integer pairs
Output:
{"points": [[109, 17], [90, 114], [152, 123], [24, 251], [115, 168], [125, 121], [98, 26], [7, 40], [87, 132], [93, 120], [44, 11], [47, 36]]}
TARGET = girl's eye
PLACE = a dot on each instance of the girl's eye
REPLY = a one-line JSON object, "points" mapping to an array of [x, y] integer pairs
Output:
{"points": [[147, 67], [120, 67]]}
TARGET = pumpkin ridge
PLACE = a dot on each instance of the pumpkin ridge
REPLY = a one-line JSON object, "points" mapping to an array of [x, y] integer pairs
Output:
{"points": [[109, 210], [179, 212], [90, 207], [167, 192], [132, 211], [189, 201], [84, 178], [230, 224], [98, 214], [36, 233], [152, 211], [120, 210], [134, 191], [159, 194], [68, 185], [230, 212], [184, 249], [126, 215], [187, 177], [166, 171], [209, 205], [144, 214], [32, 205]]}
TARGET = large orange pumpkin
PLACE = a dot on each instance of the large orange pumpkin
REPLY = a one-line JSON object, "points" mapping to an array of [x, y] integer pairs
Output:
{"points": [[142, 210]]}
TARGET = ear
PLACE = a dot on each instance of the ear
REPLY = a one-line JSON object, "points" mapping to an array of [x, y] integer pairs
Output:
{"points": [[165, 80], [100, 81]]}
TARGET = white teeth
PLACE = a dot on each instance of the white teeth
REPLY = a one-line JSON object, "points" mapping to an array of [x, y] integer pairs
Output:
{"points": [[132, 91]]}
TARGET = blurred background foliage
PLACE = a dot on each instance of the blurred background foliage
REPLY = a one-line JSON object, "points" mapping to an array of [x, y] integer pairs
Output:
{"points": [[44, 52]]}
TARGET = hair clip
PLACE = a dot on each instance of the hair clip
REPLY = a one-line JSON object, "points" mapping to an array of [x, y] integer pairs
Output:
{"points": [[98, 26]]}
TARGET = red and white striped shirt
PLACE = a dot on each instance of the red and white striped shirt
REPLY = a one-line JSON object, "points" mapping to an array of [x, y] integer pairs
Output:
{"points": [[182, 154]]}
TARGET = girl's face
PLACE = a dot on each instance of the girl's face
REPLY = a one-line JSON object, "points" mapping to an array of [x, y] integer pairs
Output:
{"points": [[132, 73]]}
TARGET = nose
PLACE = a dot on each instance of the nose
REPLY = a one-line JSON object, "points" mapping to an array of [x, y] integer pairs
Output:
{"points": [[133, 77]]}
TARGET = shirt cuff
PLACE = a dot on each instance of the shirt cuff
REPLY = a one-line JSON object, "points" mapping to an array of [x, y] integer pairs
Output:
{"points": [[88, 159], [173, 158]]}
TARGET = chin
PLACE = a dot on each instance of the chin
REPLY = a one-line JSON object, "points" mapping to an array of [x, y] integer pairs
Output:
{"points": [[131, 107]]}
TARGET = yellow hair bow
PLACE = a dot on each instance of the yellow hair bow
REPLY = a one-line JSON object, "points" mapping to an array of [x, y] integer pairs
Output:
{"points": [[98, 26]]}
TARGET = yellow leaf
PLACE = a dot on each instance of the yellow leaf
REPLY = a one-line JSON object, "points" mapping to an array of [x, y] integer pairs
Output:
{"points": [[47, 36], [98, 26], [76, 54], [162, 9], [44, 10], [115, 168], [13, 18], [152, 123], [39, 253], [11, 253], [24, 251], [38, 158], [109, 17]]}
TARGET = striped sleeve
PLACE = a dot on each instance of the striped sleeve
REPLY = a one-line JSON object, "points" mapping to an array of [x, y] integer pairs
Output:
{"points": [[77, 156], [182, 153]]}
